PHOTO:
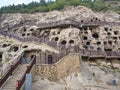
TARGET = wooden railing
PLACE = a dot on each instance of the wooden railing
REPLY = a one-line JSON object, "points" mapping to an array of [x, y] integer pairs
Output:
{"points": [[68, 50], [66, 22], [9, 72], [19, 83]]}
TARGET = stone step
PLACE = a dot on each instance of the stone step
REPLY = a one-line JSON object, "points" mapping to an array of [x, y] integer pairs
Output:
{"points": [[11, 83], [8, 89]]}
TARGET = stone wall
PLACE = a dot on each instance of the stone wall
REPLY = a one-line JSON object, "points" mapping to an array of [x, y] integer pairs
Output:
{"points": [[67, 65], [48, 71]]}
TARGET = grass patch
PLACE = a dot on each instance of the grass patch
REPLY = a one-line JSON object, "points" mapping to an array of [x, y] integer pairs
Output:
{"points": [[98, 63]]}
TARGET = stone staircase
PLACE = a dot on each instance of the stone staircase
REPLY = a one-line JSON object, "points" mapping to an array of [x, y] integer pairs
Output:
{"points": [[11, 83]]}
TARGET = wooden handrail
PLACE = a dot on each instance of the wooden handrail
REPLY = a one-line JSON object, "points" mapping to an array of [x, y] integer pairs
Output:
{"points": [[9, 72], [53, 44], [22, 79], [66, 22]]}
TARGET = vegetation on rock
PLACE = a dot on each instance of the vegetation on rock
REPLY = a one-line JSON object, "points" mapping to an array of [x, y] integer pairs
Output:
{"points": [[43, 6]]}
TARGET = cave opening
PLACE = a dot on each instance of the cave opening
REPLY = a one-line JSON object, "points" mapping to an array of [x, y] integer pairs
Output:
{"points": [[50, 59], [28, 34], [0, 57], [4, 45], [110, 42], [106, 29], [23, 34], [85, 46], [82, 21], [16, 48], [95, 35], [116, 32], [87, 43], [98, 43], [25, 46], [31, 29], [99, 49], [63, 42], [56, 38], [108, 33], [24, 29], [85, 38], [71, 41]]}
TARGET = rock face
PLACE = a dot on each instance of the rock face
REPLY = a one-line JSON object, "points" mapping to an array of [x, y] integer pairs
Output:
{"points": [[70, 27], [91, 77], [99, 37]]}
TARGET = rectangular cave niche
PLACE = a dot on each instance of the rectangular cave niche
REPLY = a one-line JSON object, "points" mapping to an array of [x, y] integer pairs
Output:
{"points": [[50, 59], [0, 57]]}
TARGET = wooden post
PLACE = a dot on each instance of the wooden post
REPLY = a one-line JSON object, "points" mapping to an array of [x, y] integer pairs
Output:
{"points": [[17, 85], [11, 70]]}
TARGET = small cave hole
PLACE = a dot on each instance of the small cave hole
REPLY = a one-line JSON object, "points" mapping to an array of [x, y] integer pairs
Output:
{"points": [[108, 33], [16, 48], [71, 41], [25, 46], [87, 43], [90, 28], [116, 32], [24, 29], [105, 43], [95, 35], [4, 45], [86, 32], [85, 46], [28, 34], [115, 42], [96, 18], [0, 57], [115, 38], [56, 38], [81, 21], [63, 42], [85, 38], [58, 32], [50, 59], [98, 43], [106, 29], [110, 42], [99, 49], [105, 49], [31, 29], [85, 28], [110, 29], [32, 56], [23, 34], [8, 44]]}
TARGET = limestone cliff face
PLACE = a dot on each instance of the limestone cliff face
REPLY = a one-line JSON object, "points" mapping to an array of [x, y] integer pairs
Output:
{"points": [[104, 37], [76, 13], [99, 37]]}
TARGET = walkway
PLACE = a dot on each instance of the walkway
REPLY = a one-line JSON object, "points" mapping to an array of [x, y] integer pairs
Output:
{"points": [[11, 83]]}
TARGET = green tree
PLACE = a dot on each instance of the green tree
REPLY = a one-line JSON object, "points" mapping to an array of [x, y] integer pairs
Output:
{"points": [[43, 3], [99, 5]]}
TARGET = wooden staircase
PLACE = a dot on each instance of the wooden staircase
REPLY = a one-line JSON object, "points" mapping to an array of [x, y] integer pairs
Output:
{"points": [[11, 83]]}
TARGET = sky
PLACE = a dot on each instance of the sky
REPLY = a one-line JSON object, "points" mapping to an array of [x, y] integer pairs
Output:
{"points": [[10, 2]]}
